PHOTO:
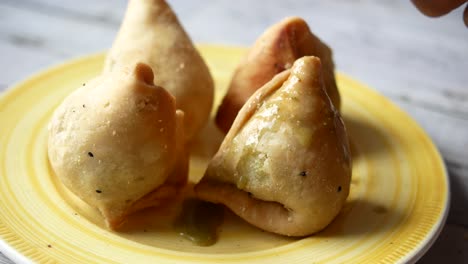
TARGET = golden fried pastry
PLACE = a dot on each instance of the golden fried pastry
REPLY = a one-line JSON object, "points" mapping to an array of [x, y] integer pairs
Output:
{"points": [[285, 164], [151, 33], [118, 143], [276, 50]]}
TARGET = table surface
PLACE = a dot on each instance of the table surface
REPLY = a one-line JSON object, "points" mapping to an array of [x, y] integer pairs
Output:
{"points": [[420, 63]]}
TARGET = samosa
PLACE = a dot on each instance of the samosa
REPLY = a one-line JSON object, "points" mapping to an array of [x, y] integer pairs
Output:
{"points": [[117, 143], [152, 34], [285, 164], [273, 52]]}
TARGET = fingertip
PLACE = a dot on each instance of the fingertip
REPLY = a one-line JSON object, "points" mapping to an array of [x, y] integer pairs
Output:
{"points": [[437, 8]]}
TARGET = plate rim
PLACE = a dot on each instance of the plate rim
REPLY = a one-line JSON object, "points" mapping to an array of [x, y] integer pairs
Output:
{"points": [[432, 236]]}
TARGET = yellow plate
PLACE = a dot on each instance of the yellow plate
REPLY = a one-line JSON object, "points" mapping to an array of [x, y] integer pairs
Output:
{"points": [[397, 206]]}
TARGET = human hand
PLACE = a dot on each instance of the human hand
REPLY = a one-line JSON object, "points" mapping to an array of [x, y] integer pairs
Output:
{"points": [[436, 8]]}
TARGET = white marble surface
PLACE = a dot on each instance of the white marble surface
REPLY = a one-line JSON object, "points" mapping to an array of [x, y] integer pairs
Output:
{"points": [[420, 63]]}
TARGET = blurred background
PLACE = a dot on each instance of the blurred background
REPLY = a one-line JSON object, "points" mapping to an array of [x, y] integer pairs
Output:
{"points": [[421, 63]]}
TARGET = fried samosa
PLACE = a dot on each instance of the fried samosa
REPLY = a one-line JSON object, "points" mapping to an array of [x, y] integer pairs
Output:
{"points": [[285, 164], [151, 33], [117, 143], [273, 52]]}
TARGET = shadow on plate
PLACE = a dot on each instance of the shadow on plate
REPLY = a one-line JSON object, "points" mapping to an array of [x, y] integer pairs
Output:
{"points": [[361, 217], [365, 138]]}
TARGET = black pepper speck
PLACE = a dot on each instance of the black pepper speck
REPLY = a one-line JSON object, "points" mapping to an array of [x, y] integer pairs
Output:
{"points": [[90, 154], [98, 191], [339, 188], [303, 173]]}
